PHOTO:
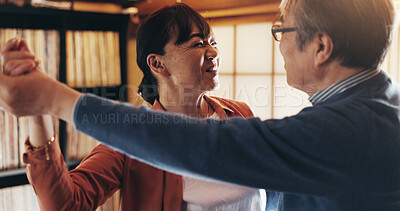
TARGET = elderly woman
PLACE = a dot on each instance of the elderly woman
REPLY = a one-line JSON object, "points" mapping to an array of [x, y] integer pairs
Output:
{"points": [[178, 55]]}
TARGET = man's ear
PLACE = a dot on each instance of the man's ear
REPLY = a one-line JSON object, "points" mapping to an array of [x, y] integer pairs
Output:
{"points": [[324, 48], [156, 65]]}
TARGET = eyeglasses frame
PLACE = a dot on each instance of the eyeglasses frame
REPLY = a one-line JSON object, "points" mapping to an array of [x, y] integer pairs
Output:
{"points": [[280, 30]]}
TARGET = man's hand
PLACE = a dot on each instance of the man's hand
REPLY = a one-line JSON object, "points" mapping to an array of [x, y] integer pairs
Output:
{"points": [[28, 94]]}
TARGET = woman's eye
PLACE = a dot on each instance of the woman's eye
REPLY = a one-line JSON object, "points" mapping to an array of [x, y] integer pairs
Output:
{"points": [[198, 44], [214, 43]]}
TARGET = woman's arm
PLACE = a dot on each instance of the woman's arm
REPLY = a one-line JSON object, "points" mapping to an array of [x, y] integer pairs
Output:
{"points": [[86, 187], [40, 130]]}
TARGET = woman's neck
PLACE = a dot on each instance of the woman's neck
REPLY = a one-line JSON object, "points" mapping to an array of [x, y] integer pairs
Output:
{"points": [[185, 101]]}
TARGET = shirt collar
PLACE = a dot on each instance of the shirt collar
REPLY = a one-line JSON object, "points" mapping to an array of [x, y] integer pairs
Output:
{"points": [[343, 85], [215, 104]]}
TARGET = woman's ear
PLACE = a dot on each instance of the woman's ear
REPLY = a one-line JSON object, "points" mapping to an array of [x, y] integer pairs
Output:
{"points": [[156, 65], [324, 48]]}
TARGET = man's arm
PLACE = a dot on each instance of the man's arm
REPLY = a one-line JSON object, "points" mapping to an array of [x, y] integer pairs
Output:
{"points": [[37, 94], [282, 155]]}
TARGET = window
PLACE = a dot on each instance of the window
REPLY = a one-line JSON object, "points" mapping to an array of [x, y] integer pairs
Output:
{"points": [[392, 61], [252, 71]]}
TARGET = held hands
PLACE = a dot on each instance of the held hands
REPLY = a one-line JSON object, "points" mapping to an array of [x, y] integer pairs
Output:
{"points": [[32, 93], [29, 92], [17, 59]]}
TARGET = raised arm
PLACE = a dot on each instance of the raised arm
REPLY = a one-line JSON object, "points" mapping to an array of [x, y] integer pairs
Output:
{"points": [[84, 188], [34, 93], [18, 60]]}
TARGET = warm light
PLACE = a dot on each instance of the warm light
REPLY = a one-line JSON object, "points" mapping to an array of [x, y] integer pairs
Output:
{"points": [[133, 13], [131, 10]]}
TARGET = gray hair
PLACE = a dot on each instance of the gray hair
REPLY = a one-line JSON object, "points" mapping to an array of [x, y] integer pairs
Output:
{"points": [[361, 30]]}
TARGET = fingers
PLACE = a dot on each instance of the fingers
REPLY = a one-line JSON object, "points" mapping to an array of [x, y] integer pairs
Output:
{"points": [[19, 67], [15, 49], [23, 68], [11, 55], [11, 45], [15, 45], [23, 46]]}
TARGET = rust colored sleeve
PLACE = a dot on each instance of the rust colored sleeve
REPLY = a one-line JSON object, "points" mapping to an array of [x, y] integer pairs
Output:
{"points": [[85, 188]]}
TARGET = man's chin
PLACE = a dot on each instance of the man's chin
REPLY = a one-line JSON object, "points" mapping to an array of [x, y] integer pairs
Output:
{"points": [[293, 84]]}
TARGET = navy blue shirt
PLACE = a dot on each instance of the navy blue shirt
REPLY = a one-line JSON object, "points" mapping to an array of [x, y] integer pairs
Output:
{"points": [[343, 153]]}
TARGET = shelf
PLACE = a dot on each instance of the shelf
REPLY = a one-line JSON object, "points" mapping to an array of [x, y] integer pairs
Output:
{"points": [[15, 177], [109, 92], [12, 16]]}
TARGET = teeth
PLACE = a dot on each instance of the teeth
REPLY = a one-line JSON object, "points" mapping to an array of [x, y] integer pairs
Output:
{"points": [[211, 70]]}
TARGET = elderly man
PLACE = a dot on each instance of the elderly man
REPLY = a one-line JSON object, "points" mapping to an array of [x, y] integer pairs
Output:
{"points": [[340, 154]]}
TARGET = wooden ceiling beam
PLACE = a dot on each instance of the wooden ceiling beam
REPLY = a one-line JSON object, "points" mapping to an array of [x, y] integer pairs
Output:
{"points": [[215, 8], [263, 9], [242, 19], [97, 7]]}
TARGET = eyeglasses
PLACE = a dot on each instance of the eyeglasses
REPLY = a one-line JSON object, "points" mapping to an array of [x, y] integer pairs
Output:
{"points": [[277, 31]]}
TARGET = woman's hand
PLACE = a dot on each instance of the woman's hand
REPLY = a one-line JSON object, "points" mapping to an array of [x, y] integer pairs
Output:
{"points": [[17, 59]]}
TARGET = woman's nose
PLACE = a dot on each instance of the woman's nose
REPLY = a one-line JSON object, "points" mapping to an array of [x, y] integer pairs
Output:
{"points": [[213, 53]]}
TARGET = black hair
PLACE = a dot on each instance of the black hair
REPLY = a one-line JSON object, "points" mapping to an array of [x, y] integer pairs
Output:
{"points": [[156, 31]]}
